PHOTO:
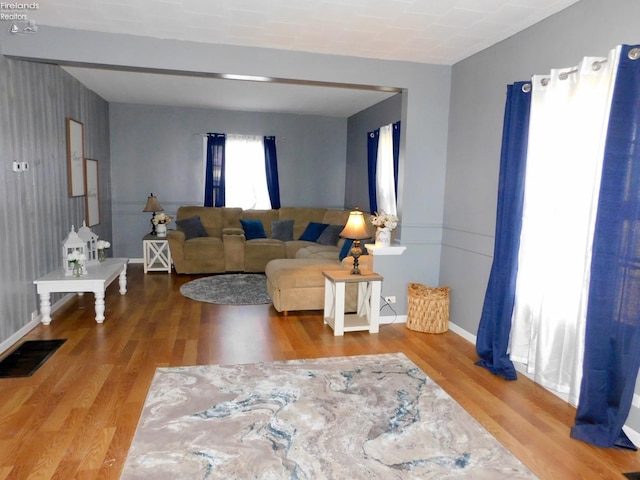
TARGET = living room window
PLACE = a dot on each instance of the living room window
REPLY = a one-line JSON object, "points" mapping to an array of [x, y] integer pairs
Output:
{"points": [[246, 177], [383, 149], [241, 171], [385, 178]]}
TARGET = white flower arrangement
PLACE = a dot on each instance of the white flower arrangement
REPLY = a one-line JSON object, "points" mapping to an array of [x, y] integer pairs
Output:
{"points": [[161, 219], [102, 244], [384, 220], [77, 257]]}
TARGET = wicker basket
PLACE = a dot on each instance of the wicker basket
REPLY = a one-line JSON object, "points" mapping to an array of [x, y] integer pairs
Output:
{"points": [[428, 309]]}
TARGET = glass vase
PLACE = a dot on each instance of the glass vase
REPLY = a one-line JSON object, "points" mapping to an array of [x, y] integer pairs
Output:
{"points": [[77, 269], [101, 256]]}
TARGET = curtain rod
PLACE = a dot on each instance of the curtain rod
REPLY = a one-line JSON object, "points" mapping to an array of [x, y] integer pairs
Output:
{"points": [[255, 135], [595, 66], [633, 54]]}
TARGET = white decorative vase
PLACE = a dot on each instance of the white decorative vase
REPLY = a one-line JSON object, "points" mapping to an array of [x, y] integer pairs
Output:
{"points": [[161, 230], [383, 237]]}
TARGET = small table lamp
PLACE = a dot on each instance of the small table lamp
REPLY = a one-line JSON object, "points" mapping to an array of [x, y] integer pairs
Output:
{"points": [[153, 205], [356, 230]]}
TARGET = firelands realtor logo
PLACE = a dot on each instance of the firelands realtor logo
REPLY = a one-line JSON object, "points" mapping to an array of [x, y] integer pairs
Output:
{"points": [[18, 16]]}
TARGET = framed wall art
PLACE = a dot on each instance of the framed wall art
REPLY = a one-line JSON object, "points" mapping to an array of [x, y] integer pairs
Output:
{"points": [[92, 198], [75, 157]]}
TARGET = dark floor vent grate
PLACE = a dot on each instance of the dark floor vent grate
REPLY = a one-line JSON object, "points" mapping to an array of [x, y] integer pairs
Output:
{"points": [[28, 357]]}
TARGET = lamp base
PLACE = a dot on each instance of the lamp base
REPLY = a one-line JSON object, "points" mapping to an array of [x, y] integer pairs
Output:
{"points": [[355, 252], [153, 225]]}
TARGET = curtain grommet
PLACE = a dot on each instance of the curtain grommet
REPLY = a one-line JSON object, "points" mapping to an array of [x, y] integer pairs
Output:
{"points": [[526, 88], [634, 53]]}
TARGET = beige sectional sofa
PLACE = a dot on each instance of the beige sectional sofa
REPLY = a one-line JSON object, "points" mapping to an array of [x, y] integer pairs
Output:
{"points": [[293, 267], [226, 249]]}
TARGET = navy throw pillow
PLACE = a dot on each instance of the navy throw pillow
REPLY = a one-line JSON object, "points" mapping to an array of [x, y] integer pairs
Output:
{"points": [[282, 230], [330, 235], [313, 231], [192, 227], [253, 229]]}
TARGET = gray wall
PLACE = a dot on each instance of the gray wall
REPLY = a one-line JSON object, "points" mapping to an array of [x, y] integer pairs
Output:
{"points": [[392, 268], [35, 210], [157, 149], [374, 117], [590, 27], [425, 110]]}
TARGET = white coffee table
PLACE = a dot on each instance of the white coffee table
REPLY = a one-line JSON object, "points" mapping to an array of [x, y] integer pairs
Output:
{"points": [[98, 278]]}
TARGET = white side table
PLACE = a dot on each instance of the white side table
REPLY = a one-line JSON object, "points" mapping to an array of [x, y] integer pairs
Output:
{"points": [[157, 255], [367, 315]]}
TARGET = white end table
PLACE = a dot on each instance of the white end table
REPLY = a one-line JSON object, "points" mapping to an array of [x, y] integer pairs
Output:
{"points": [[367, 316], [99, 277], [157, 255]]}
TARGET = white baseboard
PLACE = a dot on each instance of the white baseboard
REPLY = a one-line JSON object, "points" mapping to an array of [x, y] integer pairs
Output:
{"points": [[4, 346], [462, 332], [389, 319], [9, 342]]}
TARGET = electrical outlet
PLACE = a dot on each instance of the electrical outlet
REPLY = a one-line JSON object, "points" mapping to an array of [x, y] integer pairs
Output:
{"points": [[34, 315], [390, 299]]}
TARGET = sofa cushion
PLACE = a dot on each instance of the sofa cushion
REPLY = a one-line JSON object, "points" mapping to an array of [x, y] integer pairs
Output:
{"points": [[253, 229], [292, 247], [313, 231], [201, 248], [282, 230], [192, 227], [330, 235], [338, 217], [327, 252], [259, 251], [284, 273]]}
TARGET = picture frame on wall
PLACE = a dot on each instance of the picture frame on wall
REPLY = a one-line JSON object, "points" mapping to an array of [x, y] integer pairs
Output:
{"points": [[75, 157], [92, 198]]}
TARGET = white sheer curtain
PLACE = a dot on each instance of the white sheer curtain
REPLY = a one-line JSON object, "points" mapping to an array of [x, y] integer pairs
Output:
{"points": [[245, 174], [569, 117], [385, 185]]}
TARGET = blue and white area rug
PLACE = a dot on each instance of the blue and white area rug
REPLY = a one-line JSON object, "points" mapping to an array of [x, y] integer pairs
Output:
{"points": [[361, 417]]}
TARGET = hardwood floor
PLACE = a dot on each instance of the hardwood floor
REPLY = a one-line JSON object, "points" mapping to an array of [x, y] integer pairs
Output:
{"points": [[76, 416]]}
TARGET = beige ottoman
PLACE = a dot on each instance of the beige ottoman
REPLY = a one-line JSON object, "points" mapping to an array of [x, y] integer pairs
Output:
{"points": [[298, 284]]}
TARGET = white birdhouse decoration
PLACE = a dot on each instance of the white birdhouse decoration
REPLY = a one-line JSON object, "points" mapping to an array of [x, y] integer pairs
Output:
{"points": [[91, 239], [74, 247]]}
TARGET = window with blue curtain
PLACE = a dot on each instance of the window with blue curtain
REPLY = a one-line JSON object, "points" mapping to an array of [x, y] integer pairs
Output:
{"points": [[383, 156], [214, 182], [241, 171], [575, 179]]}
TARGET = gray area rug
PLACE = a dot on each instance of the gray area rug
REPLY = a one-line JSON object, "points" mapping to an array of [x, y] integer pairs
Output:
{"points": [[361, 417], [229, 289]]}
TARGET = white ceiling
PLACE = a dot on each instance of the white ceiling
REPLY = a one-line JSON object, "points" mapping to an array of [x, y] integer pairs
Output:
{"points": [[425, 31]]}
